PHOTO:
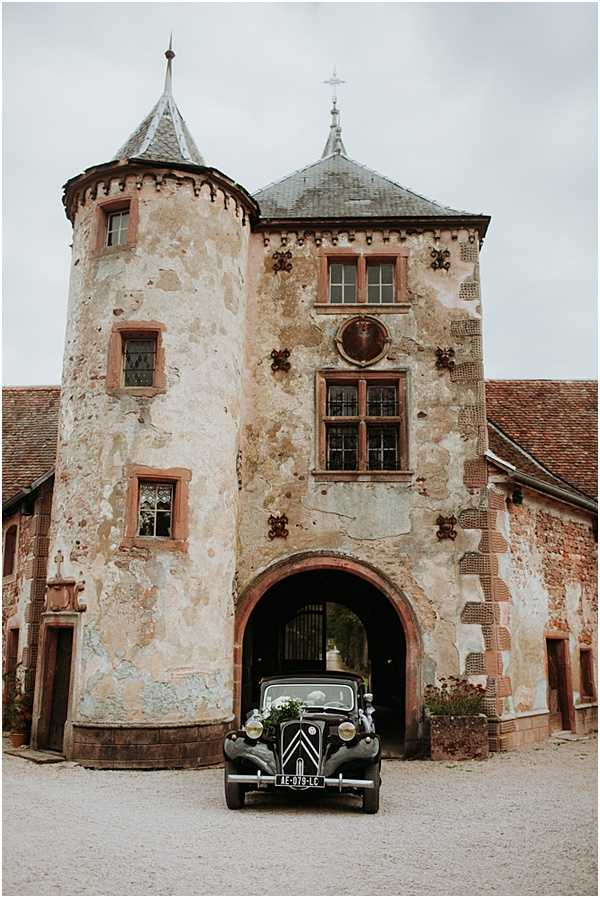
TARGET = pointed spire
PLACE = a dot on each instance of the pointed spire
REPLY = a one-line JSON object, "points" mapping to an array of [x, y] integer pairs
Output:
{"points": [[170, 55], [163, 135], [334, 144]]}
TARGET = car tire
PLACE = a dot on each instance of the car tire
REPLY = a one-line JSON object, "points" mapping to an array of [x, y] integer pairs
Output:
{"points": [[234, 792], [371, 796]]}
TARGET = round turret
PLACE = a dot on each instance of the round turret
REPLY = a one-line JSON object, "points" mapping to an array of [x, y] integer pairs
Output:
{"points": [[146, 495]]}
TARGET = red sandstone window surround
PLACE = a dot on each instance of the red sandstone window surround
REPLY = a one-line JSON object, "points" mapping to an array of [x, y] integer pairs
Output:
{"points": [[362, 425], [586, 673], [116, 223], [10, 551], [136, 359], [156, 508], [353, 280]]}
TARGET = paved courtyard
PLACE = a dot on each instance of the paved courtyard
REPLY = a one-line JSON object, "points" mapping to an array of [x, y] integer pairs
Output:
{"points": [[520, 823]]}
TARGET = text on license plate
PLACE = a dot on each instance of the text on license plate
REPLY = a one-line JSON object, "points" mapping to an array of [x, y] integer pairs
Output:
{"points": [[300, 781]]}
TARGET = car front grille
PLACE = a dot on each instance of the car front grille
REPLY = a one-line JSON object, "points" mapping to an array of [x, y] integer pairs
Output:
{"points": [[301, 747]]}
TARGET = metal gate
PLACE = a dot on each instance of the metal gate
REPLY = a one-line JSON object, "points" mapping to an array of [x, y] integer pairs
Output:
{"points": [[304, 640]]}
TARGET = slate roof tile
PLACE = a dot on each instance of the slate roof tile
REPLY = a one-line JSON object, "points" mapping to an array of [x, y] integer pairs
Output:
{"points": [[339, 187]]}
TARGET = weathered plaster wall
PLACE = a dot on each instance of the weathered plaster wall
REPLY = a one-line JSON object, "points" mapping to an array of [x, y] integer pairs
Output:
{"points": [[552, 573], [389, 525], [156, 640]]}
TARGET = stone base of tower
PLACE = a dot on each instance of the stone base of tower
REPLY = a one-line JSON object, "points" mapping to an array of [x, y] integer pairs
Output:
{"points": [[147, 746]]}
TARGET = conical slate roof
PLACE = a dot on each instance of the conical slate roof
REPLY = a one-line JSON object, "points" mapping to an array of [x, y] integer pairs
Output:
{"points": [[163, 136]]}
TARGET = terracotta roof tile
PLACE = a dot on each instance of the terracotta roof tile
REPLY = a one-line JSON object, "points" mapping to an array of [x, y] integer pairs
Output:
{"points": [[555, 421], [29, 435]]}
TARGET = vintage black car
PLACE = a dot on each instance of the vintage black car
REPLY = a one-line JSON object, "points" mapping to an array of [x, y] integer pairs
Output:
{"points": [[329, 742]]}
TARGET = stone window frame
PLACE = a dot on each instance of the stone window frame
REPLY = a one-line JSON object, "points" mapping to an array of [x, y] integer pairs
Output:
{"points": [[332, 376], [122, 331], [180, 478], [398, 257], [586, 697], [8, 578], [104, 208]]}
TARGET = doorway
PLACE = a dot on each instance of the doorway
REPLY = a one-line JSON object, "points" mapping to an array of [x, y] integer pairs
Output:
{"points": [[56, 686], [558, 694], [314, 621]]}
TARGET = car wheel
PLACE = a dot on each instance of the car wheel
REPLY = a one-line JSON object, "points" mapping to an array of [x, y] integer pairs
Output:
{"points": [[234, 792], [371, 796]]}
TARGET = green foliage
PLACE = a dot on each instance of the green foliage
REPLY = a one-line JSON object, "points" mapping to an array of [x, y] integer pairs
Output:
{"points": [[347, 633], [282, 709], [454, 697], [18, 706]]}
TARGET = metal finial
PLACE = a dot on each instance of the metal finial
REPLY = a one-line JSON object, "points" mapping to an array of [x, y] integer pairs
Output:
{"points": [[170, 55], [334, 144], [334, 81]]}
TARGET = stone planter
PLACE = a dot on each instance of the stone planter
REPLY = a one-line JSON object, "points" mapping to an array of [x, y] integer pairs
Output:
{"points": [[17, 739], [459, 738]]}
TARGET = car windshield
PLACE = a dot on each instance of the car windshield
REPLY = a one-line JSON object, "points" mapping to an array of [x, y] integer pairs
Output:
{"points": [[314, 695]]}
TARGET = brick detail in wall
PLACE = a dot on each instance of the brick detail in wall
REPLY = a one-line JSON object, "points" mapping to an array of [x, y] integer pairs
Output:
{"points": [[475, 473], [469, 252], [489, 614], [466, 373], [475, 664], [465, 327]]}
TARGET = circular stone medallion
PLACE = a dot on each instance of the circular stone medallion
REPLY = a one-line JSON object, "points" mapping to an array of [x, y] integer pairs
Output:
{"points": [[362, 340]]}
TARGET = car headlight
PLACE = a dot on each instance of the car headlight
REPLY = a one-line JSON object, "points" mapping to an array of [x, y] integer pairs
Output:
{"points": [[253, 728], [346, 731]]}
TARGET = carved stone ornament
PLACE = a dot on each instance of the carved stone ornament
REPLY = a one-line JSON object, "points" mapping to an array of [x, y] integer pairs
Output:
{"points": [[362, 340], [445, 359], [278, 526], [280, 360], [440, 259], [282, 261], [61, 595], [446, 527], [61, 592]]}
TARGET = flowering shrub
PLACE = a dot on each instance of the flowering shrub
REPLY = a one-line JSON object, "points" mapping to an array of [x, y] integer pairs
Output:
{"points": [[454, 697], [283, 708]]}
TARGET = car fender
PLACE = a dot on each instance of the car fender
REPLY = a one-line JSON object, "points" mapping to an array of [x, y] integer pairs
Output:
{"points": [[260, 754], [357, 752]]}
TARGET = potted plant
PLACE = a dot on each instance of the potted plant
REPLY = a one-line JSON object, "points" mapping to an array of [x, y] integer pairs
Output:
{"points": [[458, 725], [18, 709]]}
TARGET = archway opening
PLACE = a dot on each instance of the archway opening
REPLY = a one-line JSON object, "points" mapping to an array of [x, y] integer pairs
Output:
{"points": [[319, 620]]}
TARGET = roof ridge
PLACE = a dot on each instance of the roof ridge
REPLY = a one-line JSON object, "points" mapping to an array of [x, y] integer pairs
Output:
{"points": [[542, 380]]}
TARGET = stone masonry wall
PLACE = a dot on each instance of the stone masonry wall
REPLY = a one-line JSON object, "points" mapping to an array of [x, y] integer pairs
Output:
{"points": [[389, 525]]}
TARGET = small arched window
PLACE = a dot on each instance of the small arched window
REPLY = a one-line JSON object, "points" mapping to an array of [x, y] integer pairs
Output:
{"points": [[10, 550]]}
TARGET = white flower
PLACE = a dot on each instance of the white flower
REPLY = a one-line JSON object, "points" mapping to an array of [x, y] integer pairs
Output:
{"points": [[281, 701]]}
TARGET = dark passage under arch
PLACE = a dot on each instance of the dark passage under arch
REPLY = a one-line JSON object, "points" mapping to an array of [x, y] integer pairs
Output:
{"points": [[330, 619]]}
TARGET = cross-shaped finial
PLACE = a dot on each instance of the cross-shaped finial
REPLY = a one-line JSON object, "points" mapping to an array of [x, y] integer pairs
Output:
{"points": [[334, 81], [59, 558]]}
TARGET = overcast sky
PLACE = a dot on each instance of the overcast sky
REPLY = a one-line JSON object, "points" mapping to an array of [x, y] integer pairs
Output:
{"points": [[483, 107]]}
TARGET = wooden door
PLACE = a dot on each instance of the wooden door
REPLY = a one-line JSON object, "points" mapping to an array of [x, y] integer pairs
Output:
{"points": [[59, 648], [557, 685]]}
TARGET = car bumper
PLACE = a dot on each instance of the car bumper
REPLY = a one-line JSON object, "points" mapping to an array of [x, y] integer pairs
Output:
{"points": [[259, 779]]}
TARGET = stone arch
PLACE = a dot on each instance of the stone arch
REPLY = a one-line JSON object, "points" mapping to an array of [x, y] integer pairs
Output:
{"points": [[314, 561]]}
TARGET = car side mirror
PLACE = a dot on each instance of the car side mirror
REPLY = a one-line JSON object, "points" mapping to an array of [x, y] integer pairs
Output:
{"points": [[369, 697]]}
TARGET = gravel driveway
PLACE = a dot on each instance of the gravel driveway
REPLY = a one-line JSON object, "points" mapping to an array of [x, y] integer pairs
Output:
{"points": [[520, 823]]}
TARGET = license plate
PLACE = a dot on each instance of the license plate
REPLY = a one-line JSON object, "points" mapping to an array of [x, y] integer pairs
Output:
{"points": [[300, 781]]}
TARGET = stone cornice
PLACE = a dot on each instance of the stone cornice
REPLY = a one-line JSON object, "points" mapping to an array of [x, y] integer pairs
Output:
{"points": [[287, 230], [96, 181]]}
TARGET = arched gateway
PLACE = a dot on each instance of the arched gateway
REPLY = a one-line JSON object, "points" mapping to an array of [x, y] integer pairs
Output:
{"points": [[297, 594]]}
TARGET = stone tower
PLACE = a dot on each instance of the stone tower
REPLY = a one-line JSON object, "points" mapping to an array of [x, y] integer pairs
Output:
{"points": [[148, 444]]}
